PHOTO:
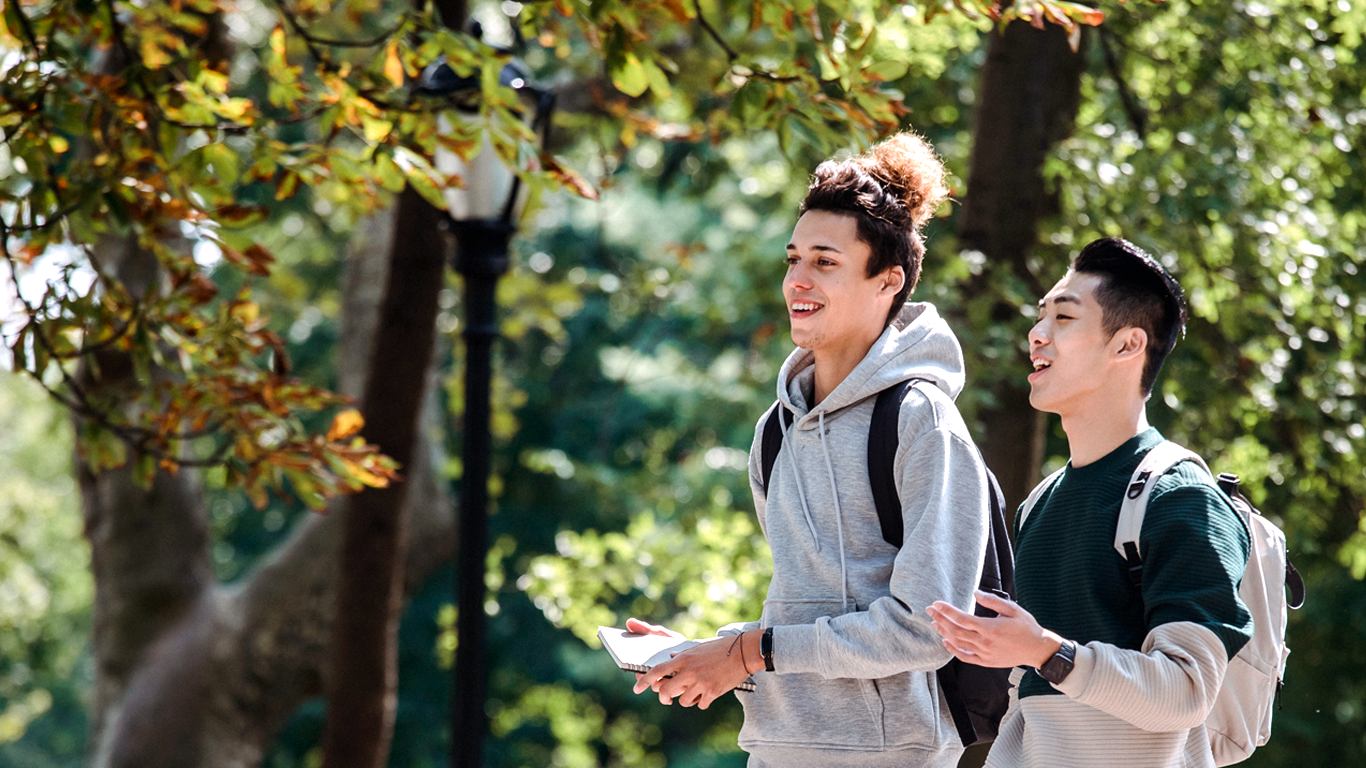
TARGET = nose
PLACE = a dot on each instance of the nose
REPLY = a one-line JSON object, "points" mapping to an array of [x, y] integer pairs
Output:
{"points": [[798, 276], [1038, 335]]}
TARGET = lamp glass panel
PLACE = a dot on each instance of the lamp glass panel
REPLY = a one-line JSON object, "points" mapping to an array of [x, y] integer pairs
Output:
{"points": [[488, 182]]}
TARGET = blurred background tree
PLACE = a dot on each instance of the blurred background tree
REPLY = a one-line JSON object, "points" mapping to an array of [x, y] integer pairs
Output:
{"points": [[643, 332]]}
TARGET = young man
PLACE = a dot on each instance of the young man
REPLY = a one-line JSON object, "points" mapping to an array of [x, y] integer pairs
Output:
{"points": [[1113, 674], [844, 656]]}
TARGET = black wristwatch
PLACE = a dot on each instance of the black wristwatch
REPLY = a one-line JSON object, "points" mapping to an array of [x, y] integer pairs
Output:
{"points": [[1059, 665], [766, 648]]}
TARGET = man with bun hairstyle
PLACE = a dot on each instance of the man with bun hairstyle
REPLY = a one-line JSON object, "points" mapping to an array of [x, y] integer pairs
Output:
{"points": [[844, 657], [1112, 673]]}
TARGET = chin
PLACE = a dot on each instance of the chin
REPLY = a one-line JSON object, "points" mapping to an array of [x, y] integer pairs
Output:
{"points": [[1039, 402], [805, 340]]}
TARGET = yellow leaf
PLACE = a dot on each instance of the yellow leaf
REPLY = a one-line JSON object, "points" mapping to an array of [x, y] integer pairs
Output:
{"points": [[375, 130], [365, 476], [393, 67], [345, 424], [245, 312], [277, 41]]}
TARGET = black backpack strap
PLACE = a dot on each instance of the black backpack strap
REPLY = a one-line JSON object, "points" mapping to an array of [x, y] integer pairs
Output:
{"points": [[772, 441], [883, 439], [958, 706], [977, 697]]}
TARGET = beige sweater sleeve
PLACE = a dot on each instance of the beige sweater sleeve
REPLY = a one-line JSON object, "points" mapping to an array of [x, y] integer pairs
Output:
{"points": [[1168, 685]]}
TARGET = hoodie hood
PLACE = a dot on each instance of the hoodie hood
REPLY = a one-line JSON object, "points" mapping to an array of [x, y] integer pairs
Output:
{"points": [[918, 344]]}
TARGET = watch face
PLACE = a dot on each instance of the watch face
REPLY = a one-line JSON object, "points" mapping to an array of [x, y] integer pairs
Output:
{"points": [[1059, 665], [1056, 670]]}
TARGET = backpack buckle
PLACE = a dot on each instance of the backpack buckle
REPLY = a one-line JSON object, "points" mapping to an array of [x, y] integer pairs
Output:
{"points": [[1136, 487]]}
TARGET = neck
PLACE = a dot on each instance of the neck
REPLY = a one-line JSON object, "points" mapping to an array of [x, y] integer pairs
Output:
{"points": [[834, 363], [1104, 424]]}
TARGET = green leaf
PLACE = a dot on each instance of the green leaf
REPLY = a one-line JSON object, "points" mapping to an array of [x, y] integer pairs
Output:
{"points": [[226, 165], [631, 78], [659, 82], [887, 69]]}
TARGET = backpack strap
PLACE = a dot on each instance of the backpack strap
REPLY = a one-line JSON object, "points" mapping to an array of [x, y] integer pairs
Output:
{"points": [[1155, 464], [883, 439], [977, 697], [772, 441], [1034, 496]]}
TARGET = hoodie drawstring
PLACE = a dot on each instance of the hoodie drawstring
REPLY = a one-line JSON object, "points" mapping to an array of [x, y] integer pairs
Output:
{"points": [[801, 492], [839, 518]]}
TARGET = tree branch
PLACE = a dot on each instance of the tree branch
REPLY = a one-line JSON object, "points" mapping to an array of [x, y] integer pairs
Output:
{"points": [[1138, 117], [711, 32]]}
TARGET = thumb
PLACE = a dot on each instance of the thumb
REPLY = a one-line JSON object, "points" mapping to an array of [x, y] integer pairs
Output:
{"points": [[996, 603], [641, 628]]}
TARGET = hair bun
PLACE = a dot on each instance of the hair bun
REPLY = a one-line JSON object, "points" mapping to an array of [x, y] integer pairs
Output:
{"points": [[908, 168]]}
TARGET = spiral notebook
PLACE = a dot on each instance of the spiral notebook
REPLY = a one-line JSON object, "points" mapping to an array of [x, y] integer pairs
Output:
{"points": [[639, 653]]}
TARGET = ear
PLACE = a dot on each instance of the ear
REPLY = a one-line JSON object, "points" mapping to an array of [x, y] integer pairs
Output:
{"points": [[893, 280], [1129, 343]]}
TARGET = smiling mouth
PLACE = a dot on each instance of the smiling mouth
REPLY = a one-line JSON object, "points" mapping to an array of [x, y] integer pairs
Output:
{"points": [[804, 308], [1040, 365]]}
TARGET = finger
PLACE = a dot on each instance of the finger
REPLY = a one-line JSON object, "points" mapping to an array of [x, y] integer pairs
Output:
{"points": [[961, 654], [656, 674], [949, 611], [643, 628], [947, 629], [965, 641], [952, 617], [675, 687], [996, 603]]}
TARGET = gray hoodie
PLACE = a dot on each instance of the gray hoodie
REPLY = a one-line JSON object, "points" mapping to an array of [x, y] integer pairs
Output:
{"points": [[854, 652]]}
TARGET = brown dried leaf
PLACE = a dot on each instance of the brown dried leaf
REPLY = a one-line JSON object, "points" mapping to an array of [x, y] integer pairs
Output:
{"points": [[569, 177]]}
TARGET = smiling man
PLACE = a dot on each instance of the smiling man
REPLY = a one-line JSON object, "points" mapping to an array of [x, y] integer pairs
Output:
{"points": [[1120, 666], [844, 656]]}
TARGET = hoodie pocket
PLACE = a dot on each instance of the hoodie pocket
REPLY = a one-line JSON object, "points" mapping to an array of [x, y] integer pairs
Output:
{"points": [[808, 710]]}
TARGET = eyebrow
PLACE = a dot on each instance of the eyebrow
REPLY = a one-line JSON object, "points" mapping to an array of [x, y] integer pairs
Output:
{"points": [[1064, 298], [823, 248]]}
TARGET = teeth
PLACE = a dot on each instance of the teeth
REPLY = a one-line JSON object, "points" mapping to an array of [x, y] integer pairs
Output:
{"points": [[804, 306], [1039, 365]]}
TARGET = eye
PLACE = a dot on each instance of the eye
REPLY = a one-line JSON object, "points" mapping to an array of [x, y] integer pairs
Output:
{"points": [[791, 259], [1064, 317], [824, 262]]}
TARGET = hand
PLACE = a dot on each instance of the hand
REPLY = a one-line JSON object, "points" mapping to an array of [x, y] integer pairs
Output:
{"points": [[1012, 639], [703, 673]]}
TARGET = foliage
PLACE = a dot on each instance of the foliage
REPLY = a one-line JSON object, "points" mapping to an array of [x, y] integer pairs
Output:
{"points": [[643, 331], [1239, 161], [140, 123], [45, 588]]}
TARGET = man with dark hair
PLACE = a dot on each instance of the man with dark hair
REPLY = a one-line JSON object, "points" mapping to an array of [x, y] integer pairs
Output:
{"points": [[843, 657], [1120, 667]]}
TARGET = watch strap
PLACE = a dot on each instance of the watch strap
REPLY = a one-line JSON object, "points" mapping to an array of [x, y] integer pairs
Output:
{"points": [[766, 648]]}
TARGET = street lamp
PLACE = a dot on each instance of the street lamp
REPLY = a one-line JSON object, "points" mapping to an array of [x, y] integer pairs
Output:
{"points": [[484, 217]]}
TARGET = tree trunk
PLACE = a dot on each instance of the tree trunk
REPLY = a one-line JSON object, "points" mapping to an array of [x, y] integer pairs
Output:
{"points": [[191, 674], [1026, 103], [364, 674]]}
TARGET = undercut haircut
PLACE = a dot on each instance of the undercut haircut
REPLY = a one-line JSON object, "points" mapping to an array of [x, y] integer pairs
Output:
{"points": [[1136, 292]]}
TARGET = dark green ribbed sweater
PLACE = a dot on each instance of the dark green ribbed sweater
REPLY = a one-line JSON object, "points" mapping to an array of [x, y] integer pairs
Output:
{"points": [[1194, 548]]}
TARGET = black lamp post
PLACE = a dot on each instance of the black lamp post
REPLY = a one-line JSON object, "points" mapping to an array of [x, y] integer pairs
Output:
{"points": [[484, 218]]}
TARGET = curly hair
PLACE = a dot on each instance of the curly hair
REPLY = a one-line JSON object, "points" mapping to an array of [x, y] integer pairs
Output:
{"points": [[891, 191]]}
